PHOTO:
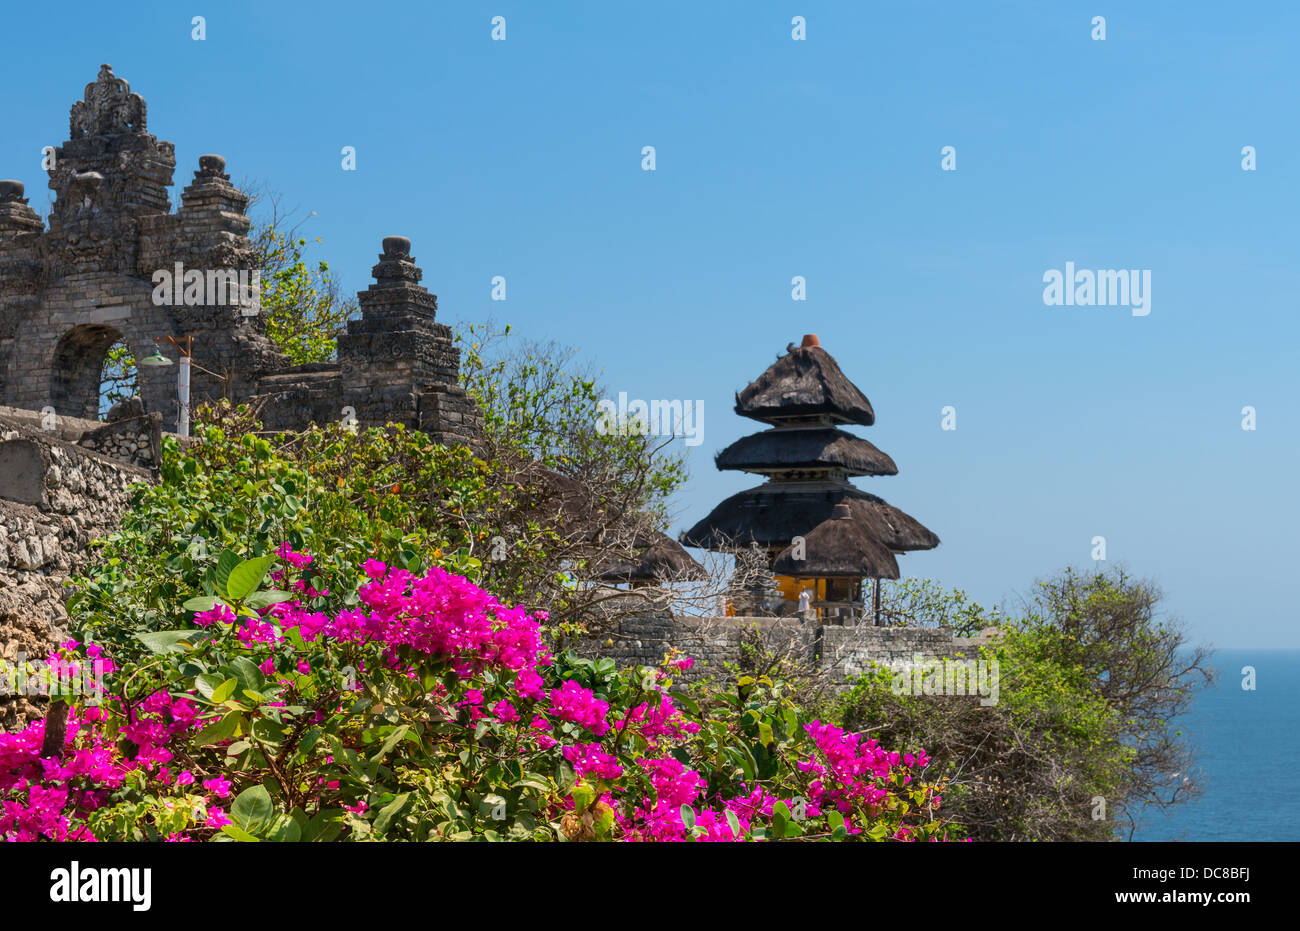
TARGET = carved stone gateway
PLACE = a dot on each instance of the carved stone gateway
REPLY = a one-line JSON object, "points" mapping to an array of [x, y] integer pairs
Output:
{"points": [[70, 291]]}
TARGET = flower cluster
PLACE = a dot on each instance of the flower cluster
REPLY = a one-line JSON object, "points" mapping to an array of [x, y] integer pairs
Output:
{"points": [[48, 798], [478, 676]]}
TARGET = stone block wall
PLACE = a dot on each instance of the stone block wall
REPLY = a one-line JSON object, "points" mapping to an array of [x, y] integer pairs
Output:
{"points": [[839, 652], [55, 498]]}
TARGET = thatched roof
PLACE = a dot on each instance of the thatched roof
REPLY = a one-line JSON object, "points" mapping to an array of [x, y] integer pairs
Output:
{"points": [[662, 559], [555, 499], [825, 447], [839, 547], [773, 513], [804, 382]]}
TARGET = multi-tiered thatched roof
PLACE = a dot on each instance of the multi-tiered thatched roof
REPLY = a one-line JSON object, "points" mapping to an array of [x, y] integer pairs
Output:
{"points": [[805, 382], [777, 450], [808, 461]]}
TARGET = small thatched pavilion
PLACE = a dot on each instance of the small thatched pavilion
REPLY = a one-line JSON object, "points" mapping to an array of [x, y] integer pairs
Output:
{"points": [[657, 559], [819, 532]]}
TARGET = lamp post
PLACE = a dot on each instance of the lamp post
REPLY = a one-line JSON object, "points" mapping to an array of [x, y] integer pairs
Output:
{"points": [[158, 360]]}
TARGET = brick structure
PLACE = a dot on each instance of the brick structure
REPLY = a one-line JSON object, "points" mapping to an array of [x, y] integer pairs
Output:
{"points": [[70, 291]]}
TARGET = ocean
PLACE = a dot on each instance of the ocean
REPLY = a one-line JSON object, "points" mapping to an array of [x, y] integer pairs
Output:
{"points": [[1248, 753]]}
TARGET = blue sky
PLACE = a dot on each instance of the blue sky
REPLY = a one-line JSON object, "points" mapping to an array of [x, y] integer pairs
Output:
{"points": [[818, 158]]}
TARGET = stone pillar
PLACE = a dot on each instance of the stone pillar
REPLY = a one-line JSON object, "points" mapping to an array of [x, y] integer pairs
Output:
{"points": [[16, 215], [397, 363]]}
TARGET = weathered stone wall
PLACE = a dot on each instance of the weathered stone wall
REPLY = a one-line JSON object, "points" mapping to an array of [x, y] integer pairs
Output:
{"points": [[69, 292], [135, 440], [840, 653], [396, 363], [55, 498]]}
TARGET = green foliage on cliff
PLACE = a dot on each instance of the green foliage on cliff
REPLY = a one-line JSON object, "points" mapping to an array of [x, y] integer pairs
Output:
{"points": [[1080, 739]]}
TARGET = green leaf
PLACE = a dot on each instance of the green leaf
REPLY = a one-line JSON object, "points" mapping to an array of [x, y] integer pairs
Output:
{"points": [[220, 730], [202, 603], [324, 827], [253, 808], [250, 677], [390, 743], [389, 811], [605, 822], [225, 563], [269, 597], [207, 683], [267, 731], [169, 641], [583, 795], [534, 781], [284, 830], [246, 576], [734, 823], [688, 817], [780, 819], [238, 833], [224, 690]]}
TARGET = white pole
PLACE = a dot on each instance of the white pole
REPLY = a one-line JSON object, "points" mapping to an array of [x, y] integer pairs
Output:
{"points": [[183, 391]]}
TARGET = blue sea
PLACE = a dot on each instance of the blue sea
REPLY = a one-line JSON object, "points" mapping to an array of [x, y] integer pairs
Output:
{"points": [[1248, 752]]}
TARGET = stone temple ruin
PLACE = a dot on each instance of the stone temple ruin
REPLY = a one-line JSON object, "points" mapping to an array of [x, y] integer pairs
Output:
{"points": [[76, 283], [70, 291]]}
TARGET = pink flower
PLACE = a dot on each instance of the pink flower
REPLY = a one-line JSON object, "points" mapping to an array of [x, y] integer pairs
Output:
{"points": [[572, 702], [297, 560], [218, 786], [219, 613], [590, 759], [529, 685]]}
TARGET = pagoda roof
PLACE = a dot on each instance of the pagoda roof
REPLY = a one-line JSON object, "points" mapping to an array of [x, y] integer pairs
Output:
{"points": [[804, 382], [780, 449], [839, 547], [661, 559], [773, 513]]}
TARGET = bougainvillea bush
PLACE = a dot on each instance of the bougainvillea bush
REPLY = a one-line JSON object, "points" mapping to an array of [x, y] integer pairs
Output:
{"points": [[416, 707]]}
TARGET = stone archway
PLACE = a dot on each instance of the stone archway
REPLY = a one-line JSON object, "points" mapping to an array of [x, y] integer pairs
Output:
{"points": [[76, 368]]}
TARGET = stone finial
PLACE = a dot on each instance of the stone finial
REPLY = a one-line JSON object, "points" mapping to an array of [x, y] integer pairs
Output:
{"points": [[107, 108], [211, 187], [15, 215], [211, 165], [11, 192], [211, 173], [396, 268], [397, 247], [397, 292]]}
